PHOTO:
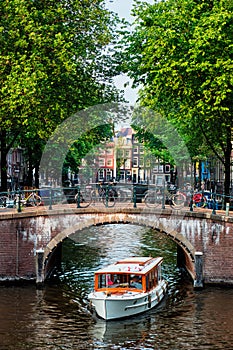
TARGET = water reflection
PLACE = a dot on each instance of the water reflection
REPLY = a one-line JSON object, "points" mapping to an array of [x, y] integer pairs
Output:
{"points": [[85, 252], [57, 316], [187, 325]]}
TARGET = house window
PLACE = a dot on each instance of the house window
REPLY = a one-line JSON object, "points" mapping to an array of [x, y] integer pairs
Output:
{"points": [[127, 164], [167, 168], [122, 175], [108, 174], [101, 174], [135, 161], [120, 153], [18, 156], [160, 168], [101, 162], [109, 151], [109, 162], [102, 151]]}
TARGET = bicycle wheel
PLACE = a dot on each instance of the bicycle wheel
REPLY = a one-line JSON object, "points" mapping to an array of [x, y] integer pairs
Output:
{"points": [[3, 200], [153, 199], [178, 201], [110, 199], [121, 196], [33, 200], [83, 199], [95, 197]]}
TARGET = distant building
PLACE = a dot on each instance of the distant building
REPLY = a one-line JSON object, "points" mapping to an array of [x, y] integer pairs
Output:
{"points": [[105, 163], [161, 173], [123, 155], [127, 160], [16, 168]]}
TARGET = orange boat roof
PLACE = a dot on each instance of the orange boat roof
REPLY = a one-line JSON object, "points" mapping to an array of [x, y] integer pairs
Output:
{"points": [[135, 265]]}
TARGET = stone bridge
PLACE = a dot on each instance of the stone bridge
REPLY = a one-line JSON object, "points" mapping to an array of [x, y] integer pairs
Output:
{"points": [[31, 240]]}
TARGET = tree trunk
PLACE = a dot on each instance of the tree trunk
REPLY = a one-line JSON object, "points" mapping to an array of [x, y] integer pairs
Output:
{"points": [[4, 152], [37, 175], [30, 169]]}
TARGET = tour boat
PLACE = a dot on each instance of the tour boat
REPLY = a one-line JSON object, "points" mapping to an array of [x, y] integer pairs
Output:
{"points": [[128, 287]]}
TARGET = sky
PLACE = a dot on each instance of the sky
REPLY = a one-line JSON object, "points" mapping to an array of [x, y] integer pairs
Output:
{"points": [[123, 8]]}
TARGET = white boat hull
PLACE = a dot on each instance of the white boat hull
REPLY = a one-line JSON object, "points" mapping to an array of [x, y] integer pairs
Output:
{"points": [[121, 305]]}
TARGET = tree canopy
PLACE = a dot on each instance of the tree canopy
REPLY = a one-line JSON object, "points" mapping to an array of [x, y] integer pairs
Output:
{"points": [[181, 53], [54, 61]]}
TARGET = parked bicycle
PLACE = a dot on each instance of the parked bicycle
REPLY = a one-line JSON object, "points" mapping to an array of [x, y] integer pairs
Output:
{"points": [[103, 193], [32, 200], [11, 200], [3, 201], [170, 195]]}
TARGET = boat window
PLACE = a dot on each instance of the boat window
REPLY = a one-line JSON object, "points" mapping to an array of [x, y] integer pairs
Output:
{"points": [[111, 280], [101, 281], [150, 280], [147, 282], [121, 278], [159, 272], [154, 277], [105, 280], [135, 282]]}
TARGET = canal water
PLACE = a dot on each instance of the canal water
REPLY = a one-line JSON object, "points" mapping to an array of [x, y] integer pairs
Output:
{"points": [[57, 317]]}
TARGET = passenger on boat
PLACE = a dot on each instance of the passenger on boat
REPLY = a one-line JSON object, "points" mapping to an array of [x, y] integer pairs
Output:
{"points": [[109, 281], [136, 282]]}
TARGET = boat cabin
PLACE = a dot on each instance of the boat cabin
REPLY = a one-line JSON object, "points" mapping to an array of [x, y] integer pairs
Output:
{"points": [[134, 274]]}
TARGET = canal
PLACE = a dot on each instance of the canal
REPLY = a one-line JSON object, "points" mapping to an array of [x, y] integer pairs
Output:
{"points": [[57, 317]]}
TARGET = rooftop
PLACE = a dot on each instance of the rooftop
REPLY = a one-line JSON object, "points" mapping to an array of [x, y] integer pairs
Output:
{"points": [[140, 265]]}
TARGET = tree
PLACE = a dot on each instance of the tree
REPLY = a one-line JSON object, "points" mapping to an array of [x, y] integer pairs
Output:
{"points": [[53, 62], [84, 145], [162, 139], [181, 51]]}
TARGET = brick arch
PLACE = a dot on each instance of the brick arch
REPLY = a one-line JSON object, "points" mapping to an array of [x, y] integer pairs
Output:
{"points": [[181, 241]]}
